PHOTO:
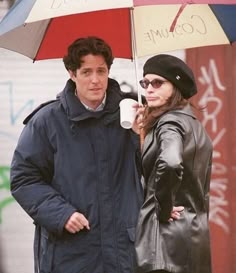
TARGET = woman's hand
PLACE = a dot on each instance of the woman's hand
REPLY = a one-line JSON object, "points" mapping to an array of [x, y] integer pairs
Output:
{"points": [[138, 122], [175, 214]]}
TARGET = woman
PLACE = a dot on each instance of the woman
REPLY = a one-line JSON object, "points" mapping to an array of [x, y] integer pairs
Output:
{"points": [[176, 165]]}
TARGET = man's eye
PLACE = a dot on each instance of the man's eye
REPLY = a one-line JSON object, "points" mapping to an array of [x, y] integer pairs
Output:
{"points": [[102, 71], [86, 72]]}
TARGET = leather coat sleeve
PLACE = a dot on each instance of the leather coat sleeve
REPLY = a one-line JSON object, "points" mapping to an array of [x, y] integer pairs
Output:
{"points": [[168, 170]]}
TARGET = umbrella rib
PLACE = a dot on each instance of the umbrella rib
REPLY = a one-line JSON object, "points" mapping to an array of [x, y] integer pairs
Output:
{"points": [[45, 32], [134, 51], [172, 27]]}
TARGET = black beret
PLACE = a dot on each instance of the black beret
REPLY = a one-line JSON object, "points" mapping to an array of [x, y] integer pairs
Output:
{"points": [[174, 70]]}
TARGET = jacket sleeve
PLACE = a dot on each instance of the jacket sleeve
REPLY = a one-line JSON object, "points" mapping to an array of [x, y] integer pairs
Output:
{"points": [[31, 175], [168, 166]]}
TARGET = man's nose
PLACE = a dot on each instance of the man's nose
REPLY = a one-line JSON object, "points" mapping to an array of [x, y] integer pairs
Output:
{"points": [[95, 77]]}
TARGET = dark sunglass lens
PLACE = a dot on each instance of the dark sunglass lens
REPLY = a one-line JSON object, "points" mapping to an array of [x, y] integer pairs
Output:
{"points": [[144, 83], [156, 83]]}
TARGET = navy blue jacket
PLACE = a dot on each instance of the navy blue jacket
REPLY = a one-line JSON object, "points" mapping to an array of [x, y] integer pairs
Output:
{"points": [[70, 159]]}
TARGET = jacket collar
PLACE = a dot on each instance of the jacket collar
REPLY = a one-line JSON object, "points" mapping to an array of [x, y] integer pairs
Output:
{"points": [[76, 111], [187, 110]]}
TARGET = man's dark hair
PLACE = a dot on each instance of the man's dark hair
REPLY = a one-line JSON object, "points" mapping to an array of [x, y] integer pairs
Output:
{"points": [[84, 46]]}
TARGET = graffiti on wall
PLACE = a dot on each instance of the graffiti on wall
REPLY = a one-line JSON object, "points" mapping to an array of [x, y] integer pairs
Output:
{"points": [[13, 114], [211, 98], [5, 188]]}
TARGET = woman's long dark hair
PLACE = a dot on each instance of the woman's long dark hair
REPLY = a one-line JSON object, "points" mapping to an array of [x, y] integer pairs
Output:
{"points": [[151, 114]]}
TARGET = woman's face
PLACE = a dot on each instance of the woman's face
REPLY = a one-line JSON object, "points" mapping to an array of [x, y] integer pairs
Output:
{"points": [[157, 90]]}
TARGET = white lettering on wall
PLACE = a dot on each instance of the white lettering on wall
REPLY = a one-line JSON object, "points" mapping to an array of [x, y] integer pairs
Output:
{"points": [[219, 184]]}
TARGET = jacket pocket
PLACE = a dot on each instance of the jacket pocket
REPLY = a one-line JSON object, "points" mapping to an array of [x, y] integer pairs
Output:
{"points": [[130, 250]]}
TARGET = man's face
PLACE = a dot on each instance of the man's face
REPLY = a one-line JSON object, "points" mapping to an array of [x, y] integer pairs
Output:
{"points": [[91, 80]]}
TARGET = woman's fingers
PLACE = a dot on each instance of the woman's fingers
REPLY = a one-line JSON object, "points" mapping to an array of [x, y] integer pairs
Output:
{"points": [[176, 213]]}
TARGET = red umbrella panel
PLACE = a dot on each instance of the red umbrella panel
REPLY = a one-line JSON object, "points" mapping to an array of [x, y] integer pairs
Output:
{"points": [[111, 25]]}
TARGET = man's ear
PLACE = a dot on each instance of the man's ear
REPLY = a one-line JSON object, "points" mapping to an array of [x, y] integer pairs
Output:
{"points": [[72, 75]]}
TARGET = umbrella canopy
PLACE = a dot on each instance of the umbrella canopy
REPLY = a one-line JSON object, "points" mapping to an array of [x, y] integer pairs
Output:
{"points": [[43, 29]]}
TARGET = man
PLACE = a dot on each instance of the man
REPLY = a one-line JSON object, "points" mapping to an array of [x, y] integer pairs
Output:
{"points": [[74, 171]]}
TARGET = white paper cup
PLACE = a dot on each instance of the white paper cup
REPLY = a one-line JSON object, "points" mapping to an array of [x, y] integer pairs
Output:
{"points": [[127, 113]]}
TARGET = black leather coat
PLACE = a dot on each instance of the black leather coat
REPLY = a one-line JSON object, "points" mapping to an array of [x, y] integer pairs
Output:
{"points": [[176, 162]]}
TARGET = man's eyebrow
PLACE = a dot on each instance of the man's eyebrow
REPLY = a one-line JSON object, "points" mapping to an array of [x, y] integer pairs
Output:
{"points": [[86, 68]]}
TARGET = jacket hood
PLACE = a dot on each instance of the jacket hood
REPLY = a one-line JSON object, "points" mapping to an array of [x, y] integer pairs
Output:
{"points": [[76, 111]]}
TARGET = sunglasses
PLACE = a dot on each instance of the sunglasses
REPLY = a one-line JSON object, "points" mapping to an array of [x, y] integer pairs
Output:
{"points": [[156, 83]]}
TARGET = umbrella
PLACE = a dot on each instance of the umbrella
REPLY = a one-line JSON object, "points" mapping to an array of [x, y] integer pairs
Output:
{"points": [[43, 29]]}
